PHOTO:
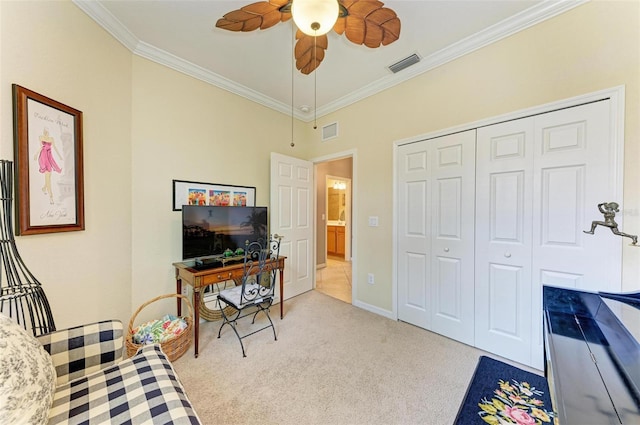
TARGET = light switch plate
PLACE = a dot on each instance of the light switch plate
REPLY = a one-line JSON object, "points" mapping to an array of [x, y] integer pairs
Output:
{"points": [[373, 221]]}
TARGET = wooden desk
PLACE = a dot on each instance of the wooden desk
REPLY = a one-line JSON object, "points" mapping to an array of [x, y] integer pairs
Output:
{"points": [[200, 279]]}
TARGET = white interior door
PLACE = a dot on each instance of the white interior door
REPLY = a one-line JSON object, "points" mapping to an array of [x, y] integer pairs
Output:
{"points": [[539, 182], [436, 183], [291, 217], [452, 237], [573, 172], [504, 204], [414, 233]]}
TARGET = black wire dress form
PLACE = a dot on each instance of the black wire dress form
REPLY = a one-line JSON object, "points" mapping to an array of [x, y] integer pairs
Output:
{"points": [[21, 295]]}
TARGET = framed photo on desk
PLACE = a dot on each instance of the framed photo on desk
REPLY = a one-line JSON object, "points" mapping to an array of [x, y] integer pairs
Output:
{"points": [[199, 193]]}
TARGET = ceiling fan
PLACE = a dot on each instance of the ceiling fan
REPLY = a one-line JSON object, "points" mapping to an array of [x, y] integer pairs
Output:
{"points": [[365, 22]]}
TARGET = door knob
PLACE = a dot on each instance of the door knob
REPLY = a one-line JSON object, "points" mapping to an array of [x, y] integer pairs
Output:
{"points": [[507, 254], [446, 250]]}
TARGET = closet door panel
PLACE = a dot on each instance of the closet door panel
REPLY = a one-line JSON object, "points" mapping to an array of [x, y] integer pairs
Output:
{"points": [[414, 234], [448, 289], [503, 239], [506, 318], [562, 196], [448, 208], [536, 189], [574, 172], [447, 284], [417, 291], [436, 183], [506, 207], [573, 175], [453, 230]]}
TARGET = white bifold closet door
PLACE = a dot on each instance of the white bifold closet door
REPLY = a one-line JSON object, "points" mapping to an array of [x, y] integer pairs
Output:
{"points": [[539, 181], [436, 186], [488, 216]]}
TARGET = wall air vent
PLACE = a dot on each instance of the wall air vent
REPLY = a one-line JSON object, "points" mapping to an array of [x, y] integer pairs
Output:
{"points": [[329, 131], [404, 63]]}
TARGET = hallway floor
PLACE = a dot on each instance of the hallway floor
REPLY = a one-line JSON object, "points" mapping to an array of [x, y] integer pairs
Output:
{"points": [[335, 279]]}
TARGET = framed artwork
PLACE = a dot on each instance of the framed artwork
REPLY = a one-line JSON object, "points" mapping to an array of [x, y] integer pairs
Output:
{"points": [[198, 193], [49, 165]]}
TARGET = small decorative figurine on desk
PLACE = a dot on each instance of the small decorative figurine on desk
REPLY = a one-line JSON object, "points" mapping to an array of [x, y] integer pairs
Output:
{"points": [[609, 210]]}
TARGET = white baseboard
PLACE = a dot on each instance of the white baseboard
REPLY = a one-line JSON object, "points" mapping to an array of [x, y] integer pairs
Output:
{"points": [[373, 309]]}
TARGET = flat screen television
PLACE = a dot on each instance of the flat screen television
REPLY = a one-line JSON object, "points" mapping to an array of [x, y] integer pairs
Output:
{"points": [[209, 231]]}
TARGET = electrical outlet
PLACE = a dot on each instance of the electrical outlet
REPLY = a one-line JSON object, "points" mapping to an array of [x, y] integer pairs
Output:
{"points": [[185, 290], [370, 279]]}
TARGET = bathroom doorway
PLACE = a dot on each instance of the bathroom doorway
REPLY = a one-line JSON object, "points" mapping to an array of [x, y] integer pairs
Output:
{"points": [[334, 228]]}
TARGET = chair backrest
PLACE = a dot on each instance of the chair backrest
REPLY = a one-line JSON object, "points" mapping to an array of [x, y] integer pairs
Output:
{"points": [[260, 270], [21, 295]]}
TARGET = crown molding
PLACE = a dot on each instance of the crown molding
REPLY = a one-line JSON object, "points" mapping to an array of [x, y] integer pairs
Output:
{"points": [[113, 26], [169, 60], [523, 20], [106, 20]]}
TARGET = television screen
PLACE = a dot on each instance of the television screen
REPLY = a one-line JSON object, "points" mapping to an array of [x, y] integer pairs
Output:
{"points": [[211, 230]]}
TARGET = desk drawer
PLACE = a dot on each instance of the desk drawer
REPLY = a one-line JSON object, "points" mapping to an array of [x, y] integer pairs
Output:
{"points": [[200, 279], [220, 277]]}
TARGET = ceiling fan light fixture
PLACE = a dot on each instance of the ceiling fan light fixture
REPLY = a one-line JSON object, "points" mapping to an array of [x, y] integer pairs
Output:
{"points": [[315, 17]]}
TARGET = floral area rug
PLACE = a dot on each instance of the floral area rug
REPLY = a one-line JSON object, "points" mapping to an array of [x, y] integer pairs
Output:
{"points": [[501, 394]]}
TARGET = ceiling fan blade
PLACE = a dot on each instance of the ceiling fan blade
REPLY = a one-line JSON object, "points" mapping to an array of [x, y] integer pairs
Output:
{"points": [[391, 31], [355, 30], [340, 25], [362, 8], [239, 20], [371, 24], [308, 52], [262, 15]]}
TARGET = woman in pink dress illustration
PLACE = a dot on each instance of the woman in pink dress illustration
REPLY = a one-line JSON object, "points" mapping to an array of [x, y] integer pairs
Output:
{"points": [[46, 161]]}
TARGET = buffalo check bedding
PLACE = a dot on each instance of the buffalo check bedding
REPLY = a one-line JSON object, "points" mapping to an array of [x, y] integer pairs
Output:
{"points": [[143, 389]]}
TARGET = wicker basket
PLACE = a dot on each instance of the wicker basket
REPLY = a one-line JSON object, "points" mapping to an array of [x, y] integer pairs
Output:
{"points": [[173, 348], [211, 315]]}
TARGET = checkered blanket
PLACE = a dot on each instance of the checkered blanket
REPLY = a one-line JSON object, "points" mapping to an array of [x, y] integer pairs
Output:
{"points": [[141, 390], [85, 349], [95, 387]]}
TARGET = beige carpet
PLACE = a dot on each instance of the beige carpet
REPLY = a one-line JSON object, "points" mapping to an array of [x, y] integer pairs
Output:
{"points": [[332, 364]]}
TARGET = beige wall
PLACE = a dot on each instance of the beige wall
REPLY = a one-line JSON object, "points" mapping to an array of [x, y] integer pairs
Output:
{"points": [[186, 129], [146, 125], [54, 49], [592, 47]]}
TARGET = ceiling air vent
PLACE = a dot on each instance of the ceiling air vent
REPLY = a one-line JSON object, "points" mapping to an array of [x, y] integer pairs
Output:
{"points": [[404, 63], [329, 131]]}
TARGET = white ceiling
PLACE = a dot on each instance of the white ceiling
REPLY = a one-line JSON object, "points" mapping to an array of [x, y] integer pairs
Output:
{"points": [[259, 65]]}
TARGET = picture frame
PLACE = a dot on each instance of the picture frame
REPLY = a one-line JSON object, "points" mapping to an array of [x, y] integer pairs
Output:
{"points": [[49, 164], [198, 193]]}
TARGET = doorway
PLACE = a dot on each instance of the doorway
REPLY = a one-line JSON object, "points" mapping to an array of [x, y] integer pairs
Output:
{"points": [[334, 221]]}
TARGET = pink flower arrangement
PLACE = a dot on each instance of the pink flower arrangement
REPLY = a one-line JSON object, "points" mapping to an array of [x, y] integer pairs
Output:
{"points": [[515, 403], [520, 416]]}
